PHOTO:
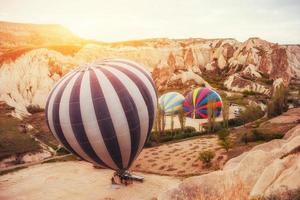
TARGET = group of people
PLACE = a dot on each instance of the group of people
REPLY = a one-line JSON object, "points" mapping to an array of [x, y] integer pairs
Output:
{"points": [[122, 178]]}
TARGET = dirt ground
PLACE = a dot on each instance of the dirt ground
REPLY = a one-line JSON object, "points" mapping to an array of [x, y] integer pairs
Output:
{"points": [[77, 180], [180, 158]]}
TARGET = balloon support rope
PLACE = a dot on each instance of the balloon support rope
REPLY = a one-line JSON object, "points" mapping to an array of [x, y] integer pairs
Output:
{"points": [[125, 178]]}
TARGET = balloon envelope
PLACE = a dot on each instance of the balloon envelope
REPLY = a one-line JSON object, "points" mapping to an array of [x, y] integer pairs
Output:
{"points": [[103, 112], [196, 101], [171, 103]]}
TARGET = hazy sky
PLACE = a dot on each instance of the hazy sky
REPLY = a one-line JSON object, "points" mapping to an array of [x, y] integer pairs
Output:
{"points": [[115, 20]]}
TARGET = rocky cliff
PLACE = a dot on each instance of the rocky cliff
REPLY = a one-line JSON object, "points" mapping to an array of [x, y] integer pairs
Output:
{"points": [[267, 169], [28, 73]]}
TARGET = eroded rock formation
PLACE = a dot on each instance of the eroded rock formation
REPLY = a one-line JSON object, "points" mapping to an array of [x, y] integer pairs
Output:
{"points": [[28, 73], [269, 168]]}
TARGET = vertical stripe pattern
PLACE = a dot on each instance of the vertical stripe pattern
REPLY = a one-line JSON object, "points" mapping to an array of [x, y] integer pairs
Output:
{"points": [[195, 103], [103, 112], [171, 103]]}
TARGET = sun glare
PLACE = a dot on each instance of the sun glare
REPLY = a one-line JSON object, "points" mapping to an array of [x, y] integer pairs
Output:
{"points": [[84, 29]]}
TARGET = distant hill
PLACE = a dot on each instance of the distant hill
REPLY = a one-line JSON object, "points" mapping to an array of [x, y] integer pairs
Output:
{"points": [[29, 35]]}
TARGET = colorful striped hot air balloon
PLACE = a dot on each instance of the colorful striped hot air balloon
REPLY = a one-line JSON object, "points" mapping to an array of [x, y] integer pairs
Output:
{"points": [[171, 103], [103, 112], [195, 103]]}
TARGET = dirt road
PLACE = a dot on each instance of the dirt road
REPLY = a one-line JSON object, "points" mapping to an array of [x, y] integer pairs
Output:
{"points": [[76, 180]]}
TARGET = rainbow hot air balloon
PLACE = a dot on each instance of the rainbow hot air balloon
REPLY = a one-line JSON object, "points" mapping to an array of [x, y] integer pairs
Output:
{"points": [[196, 101], [103, 112], [171, 103]]}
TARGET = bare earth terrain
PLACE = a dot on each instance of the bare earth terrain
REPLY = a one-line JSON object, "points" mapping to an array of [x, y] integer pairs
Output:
{"points": [[77, 180], [181, 158]]}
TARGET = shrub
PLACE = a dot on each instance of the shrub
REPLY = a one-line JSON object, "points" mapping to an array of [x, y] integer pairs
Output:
{"points": [[176, 131], [245, 138], [217, 126], [34, 109], [233, 97], [259, 134], [225, 113], [189, 129], [267, 134], [169, 135], [185, 135], [251, 113], [12, 141], [226, 144], [278, 103], [235, 122], [237, 99], [206, 157], [159, 121], [182, 119], [267, 81], [249, 93], [61, 150], [211, 115], [172, 122], [223, 134]]}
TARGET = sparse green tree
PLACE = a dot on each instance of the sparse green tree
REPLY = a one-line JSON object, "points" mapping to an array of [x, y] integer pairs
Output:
{"points": [[224, 140], [172, 121], [163, 121], [158, 122], [226, 144], [225, 113], [278, 103], [182, 119], [298, 92], [206, 156], [223, 134], [251, 113], [245, 138], [211, 114]]}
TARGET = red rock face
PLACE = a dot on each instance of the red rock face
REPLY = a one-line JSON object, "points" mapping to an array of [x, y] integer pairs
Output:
{"points": [[161, 76], [214, 63], [240, 82], [218, 44], [244, 51], [189, 58], [280, 65], [268, 59], [228, 51], [223, 59], [168, 58], [171, 61], [265, 63]]}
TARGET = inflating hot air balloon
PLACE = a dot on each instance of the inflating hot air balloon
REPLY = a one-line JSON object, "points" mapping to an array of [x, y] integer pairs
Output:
{"points": [[171, 103], [196, 101], [103, 112]]}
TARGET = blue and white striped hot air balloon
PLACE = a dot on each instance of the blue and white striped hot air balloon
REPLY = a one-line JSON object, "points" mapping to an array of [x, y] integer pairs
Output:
{"points": [[103, 112], [171, 103]]}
